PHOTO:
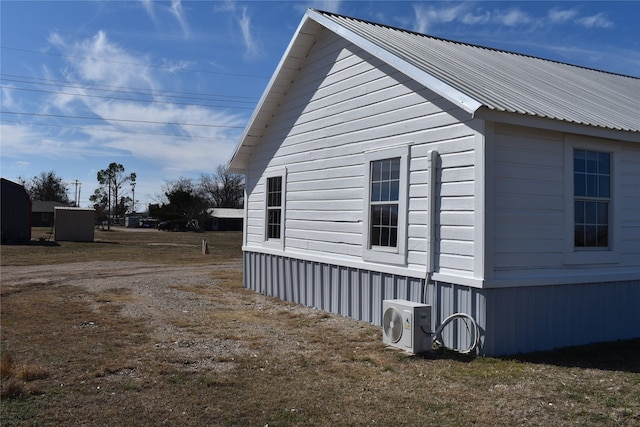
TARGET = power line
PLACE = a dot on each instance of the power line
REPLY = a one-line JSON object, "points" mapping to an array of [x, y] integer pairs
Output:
{"points": [[127, 90], [126, 99], [120, 131], [133, 63], [120, 120]]}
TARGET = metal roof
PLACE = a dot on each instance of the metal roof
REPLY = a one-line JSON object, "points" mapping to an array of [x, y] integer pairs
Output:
{"points": [[511, 82], [480, 80]]}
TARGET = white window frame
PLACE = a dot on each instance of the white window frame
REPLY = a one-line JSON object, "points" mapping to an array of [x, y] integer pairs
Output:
{"points": [[381, 254], [276, 243], [591, 255]]}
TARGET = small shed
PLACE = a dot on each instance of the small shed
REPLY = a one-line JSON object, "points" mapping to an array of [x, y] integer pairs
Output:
{"points": [[74, 224], [225, 219], [16, 212]]}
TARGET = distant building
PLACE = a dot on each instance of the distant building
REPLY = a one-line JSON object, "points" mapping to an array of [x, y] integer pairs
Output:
{"points": [[16, 212], [42, 213], [225, 219]]}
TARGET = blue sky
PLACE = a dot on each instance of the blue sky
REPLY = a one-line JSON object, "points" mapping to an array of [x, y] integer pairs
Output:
{"points": [[166, 87]]}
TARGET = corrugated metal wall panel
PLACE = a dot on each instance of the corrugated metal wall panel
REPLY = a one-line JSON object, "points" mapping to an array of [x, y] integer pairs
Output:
{"points": [[74, 224], [528, 319], [511, 320]]}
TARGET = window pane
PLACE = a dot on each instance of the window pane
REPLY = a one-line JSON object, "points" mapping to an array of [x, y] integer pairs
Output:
{"points": [[604, 163], [603, 213], [591, 186], [579, 161], [395, 190], [591, 213], [592, 162], [386, 170], [393, 216], [590, 235], [273, 225], [580, 184], [604, 186], [375, 192], [393, 237], [579, 212], [579, 236], [384, 191], [274, 191], [603, 236], [384, 225], [376, 171], [395, 169]]}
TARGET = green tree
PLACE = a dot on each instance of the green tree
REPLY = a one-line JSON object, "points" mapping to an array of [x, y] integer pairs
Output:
{"points": [[47, 187], [183, 203], [112, 180]]}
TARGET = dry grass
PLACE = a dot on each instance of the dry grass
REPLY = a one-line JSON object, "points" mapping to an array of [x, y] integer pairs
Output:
{"points": [[90, 363], [120, 244]]}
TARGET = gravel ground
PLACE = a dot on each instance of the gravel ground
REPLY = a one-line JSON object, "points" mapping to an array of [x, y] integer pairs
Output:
{"points": [[166, 298]]}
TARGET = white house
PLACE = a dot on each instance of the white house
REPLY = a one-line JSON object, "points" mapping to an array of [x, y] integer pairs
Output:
{"points": [[381, 163]]}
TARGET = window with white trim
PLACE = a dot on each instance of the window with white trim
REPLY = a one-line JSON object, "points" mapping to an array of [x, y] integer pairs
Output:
{"points": [[274, 207], [592, 198], [385, 210], [592, 220], [384, 199]]}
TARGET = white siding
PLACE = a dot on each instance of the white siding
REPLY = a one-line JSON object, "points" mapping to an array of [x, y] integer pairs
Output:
{"points": [[532, 192], [342, 103]]}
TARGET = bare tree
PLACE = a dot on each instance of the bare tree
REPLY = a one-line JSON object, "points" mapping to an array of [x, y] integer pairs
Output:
{"points": [[225, 190]]}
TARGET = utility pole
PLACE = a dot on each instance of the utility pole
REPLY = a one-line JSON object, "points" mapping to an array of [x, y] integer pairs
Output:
{"points": [[133, 196]]}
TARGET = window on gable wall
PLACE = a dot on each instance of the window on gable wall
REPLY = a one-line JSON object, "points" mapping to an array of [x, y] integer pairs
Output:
{"points": [[274, 207], [592, 198], [384, 198], [385, 209]]}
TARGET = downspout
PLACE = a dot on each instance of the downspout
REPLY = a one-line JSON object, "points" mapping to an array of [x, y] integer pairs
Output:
{"points": [[432, 186]]}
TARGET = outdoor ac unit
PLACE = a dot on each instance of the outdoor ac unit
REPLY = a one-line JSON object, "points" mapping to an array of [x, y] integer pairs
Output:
{"points": [[407, 325]]}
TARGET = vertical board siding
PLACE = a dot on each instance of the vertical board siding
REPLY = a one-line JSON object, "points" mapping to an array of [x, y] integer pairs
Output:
{"points": [[527, 319]]}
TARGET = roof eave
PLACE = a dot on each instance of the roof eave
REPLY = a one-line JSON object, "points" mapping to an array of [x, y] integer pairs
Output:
{"points": [[301, 42], [547, 123]]}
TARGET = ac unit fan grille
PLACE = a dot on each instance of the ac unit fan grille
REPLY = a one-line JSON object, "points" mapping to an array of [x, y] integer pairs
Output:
{"points": [[392, 324]]}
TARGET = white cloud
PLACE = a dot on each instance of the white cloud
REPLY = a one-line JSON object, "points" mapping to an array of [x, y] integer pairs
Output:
{"points": [[472, 18], [167, 141], [558, 16], [513, 18], [178, 13], [249, 41], [148, 6], [599, 20], [425, 16]]}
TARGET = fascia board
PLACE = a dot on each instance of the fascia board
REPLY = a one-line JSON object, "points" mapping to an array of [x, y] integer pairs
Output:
{"points": [[237, 163], [520, 119], [446, 91]]}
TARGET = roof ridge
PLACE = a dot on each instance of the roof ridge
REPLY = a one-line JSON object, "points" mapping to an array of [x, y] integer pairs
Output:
{"points": [[473, 45]]}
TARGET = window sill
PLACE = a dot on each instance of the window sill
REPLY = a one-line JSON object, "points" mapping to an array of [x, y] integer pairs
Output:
{"points": [[591, 257], [384, 257]]}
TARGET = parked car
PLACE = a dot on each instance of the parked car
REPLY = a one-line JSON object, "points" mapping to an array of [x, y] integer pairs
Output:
{"points": [[165, 225]]}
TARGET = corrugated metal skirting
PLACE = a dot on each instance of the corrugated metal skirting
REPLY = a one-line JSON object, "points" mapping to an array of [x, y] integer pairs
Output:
{"points": [[511, 320], [357, 293]]}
